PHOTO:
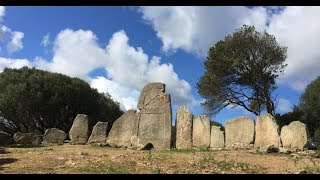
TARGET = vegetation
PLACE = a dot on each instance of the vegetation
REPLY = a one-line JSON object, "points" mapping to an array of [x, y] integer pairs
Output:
{"points": [[241, 70], [33, 100], [310, 105], [287, 118]]}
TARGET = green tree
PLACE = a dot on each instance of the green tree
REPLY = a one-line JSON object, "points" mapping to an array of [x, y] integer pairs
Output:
{"points": [[241, 70], [310, 105], [287, 118], [33, 100]]}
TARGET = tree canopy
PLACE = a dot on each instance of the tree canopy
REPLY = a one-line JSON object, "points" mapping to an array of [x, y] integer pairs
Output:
{"points": [[241, 70], [310, 106], [35, 100]]}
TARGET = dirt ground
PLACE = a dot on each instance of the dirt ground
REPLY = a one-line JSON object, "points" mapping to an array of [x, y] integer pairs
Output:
{"points": [[95, 159]]}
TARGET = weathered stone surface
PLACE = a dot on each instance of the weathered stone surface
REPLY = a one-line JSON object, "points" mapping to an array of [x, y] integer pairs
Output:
{"points": [[26, 138], [155, 122], [294, 136], [5, 138], [79, 131], [239, 132], [184, 128], [99, 133], [217, 138], [122, 130], [201, 131], [267, 132], [54, 136], [149, 92]]}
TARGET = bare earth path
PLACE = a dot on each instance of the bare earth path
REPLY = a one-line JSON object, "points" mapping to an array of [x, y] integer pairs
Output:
{"points": [[76, 159]]}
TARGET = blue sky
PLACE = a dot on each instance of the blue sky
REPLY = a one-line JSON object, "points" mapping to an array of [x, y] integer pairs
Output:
{"points": [[120, 49]]}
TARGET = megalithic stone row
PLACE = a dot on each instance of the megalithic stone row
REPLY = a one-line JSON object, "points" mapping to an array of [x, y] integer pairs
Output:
{"points": [[201, 132], [267, 132], [295, 136], [239, 132], [217, 138], [99, 133], [184, 124], [79, 131]]}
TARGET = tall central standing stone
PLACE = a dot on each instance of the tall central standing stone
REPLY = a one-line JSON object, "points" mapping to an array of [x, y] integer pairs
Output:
{"points": [[155, 117], [150, 127]]}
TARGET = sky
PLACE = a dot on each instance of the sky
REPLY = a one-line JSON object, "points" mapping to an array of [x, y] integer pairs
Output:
{"points": [[118, 50]]}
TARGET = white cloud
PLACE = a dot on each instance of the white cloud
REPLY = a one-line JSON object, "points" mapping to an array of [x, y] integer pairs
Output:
{"points": [[15, 43], [284, 105], [195, 29], [77, 53], [2, 12], [12, 39], [13, 63], [126, 96], [45, 41], [298, 29]]}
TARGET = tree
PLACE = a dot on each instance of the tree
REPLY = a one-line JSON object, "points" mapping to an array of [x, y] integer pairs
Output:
{"points": [[35, 100], [310, 105], [241, 70]]}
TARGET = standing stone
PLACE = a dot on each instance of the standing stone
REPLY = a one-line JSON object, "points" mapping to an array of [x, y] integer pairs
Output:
{"points": [[267, 132], [155, 121], [26, 138], [150, 92], [201, 131], [99, 133], [239, 132], [217, 138], [5, 138], [54, 136], [122, 130], [79, 131], [184, 128], [294, 136]]}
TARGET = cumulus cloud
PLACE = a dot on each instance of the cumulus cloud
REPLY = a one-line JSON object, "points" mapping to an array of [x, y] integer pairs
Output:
{"points": [[195, 29], [15, 44], [45, 41], [284, 105], [298, 29], [12, 39], [77, 53], [2, 12], [13, 63], [201, 27]]}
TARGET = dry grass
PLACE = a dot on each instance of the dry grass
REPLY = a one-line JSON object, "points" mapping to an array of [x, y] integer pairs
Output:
{"points": [[88, 159]]}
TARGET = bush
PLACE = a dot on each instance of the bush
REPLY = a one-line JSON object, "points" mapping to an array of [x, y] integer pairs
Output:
{"points": [[33, 100]]}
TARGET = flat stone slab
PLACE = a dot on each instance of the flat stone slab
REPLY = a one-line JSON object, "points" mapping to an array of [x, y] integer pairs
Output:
{"points": [[239, 132], [267, 132], [201, 132], [79, 131], [184, 122], [99, 133]]}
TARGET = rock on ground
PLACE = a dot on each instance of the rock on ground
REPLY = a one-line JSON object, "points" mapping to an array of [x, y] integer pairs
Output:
{"points": [[239, 132], [295, 136], [99, 133], [201, 132], [54, 136], [79, 131]]}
